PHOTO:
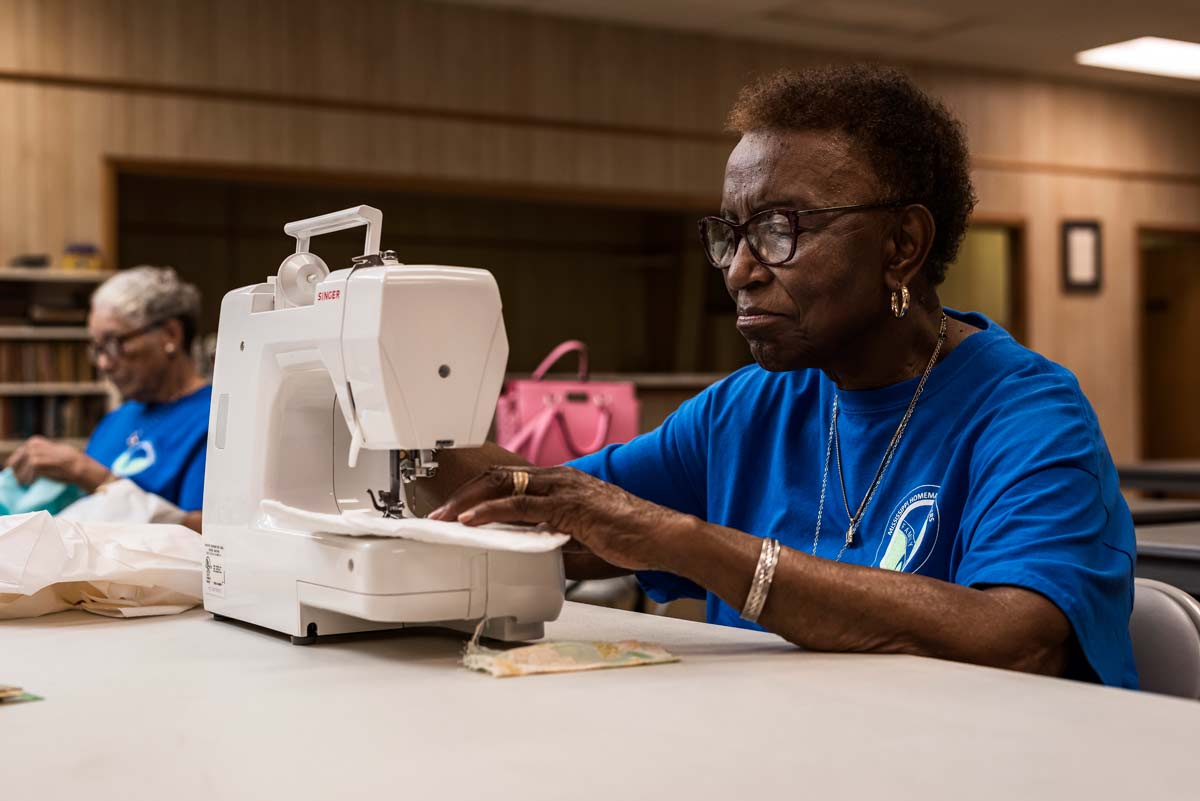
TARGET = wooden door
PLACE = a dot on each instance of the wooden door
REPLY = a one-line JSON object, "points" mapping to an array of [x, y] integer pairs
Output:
{"points": [[1171, 346]]}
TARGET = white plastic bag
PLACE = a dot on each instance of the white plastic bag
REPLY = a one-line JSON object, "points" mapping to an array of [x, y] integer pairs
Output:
{"points": [[123, 502], [50, 564]]}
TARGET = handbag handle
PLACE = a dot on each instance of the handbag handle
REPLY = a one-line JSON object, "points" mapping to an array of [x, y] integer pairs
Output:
{"points": [[597, 442], [562, 350], [533, 434]]}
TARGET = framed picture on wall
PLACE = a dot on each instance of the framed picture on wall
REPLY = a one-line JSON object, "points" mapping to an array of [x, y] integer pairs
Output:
{"points": [[1081, 256]]}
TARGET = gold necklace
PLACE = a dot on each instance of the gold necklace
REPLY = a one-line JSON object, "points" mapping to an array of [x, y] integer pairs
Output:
{"points": [[834, 444]]}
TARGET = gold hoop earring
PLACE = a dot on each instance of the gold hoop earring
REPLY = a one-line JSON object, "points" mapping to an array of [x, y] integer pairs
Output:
{"points": [[900, 302]]}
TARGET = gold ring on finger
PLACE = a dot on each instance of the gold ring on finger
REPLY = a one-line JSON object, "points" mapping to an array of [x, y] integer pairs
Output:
{"points": [[520, 482]]}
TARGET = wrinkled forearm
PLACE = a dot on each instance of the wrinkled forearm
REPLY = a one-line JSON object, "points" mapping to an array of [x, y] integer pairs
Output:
{"points": [[826, 606], [89, 474], [580, 564]]}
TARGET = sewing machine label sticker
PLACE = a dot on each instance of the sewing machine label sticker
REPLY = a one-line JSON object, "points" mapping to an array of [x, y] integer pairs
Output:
{"points": [[214, 570]]}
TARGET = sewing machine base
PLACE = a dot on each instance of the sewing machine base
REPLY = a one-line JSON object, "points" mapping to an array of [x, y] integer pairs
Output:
{"points": [[504, 629], [309, 585]]}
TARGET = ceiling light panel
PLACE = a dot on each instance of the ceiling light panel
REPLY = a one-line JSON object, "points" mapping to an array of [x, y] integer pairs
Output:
{"points": [[1148, 54]]}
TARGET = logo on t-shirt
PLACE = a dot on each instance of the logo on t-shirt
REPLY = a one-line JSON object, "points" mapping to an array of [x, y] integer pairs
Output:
{"points": [[912, 531], [137, 457]]}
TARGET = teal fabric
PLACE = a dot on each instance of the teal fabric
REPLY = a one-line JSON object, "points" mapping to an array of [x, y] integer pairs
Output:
{"points": [[42, 495]]}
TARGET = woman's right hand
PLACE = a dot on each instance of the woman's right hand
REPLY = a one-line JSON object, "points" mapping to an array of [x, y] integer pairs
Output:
{"points": [[39, 457]]}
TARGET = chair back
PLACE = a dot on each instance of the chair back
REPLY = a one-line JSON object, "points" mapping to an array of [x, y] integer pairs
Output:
{"points": [[1165, 629]]}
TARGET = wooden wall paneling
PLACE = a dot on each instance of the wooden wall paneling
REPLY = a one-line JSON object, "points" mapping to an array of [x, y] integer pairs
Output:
{"points": [[482, 60], [543, 105], [110, 236], [1093, 334]]}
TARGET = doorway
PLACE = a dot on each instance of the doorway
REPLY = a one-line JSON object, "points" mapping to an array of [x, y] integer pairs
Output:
{"points": [[988, 276], [1170, 343]]}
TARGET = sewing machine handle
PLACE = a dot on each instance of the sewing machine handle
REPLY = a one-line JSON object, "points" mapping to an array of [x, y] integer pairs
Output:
{"points": [[304, 230]]}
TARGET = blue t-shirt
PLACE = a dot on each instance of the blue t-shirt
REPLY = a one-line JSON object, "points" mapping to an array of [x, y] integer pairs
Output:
{"points": [[159, 446], [1002, 478]]}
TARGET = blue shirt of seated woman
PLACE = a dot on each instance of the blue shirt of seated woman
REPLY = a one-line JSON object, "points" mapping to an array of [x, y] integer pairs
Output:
{"points": [[1004, 479], [159, 446]]}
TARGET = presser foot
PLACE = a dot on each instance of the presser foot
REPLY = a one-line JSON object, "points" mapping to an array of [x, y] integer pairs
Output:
{"points": [[388, 503]]}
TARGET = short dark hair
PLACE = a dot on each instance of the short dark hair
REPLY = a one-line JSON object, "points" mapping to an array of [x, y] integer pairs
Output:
{"points": [[915, 145]]}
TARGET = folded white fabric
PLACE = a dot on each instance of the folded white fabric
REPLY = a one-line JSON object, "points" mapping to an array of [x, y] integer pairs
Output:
{"points": [[363, 523], [123, 502], [117, 569]]}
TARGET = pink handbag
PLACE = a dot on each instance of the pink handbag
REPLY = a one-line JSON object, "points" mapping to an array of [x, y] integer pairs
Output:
{"points": [[551, 422]]}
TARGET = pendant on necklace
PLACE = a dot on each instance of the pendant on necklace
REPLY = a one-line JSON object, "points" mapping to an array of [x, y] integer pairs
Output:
{"points": [[850, 534]]}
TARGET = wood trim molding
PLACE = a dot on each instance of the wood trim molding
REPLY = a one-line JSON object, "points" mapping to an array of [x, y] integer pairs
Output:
{"points": [[420, 184], [1003, 220], [1084, 171], [366, 107], [1161, 228]]}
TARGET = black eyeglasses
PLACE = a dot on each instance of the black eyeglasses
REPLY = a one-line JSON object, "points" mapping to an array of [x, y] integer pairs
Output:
{"points": [[771, 234], [113, 345]]}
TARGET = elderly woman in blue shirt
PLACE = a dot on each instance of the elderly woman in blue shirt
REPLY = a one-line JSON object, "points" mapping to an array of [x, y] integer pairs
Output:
{"points": [[891, 476], [141, 327]]}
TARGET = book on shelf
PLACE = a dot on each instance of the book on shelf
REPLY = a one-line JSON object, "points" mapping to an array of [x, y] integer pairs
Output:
{"points": [[13, 311], [54, 416], [49, 314], [83, 256], [24, 361]]}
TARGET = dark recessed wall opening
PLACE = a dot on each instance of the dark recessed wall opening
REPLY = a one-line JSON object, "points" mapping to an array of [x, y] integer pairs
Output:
{"points": [[632, 283], [1170, 343]]}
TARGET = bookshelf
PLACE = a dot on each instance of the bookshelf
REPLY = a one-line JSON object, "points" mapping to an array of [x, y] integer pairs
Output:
{"points": [[20, 388], [47, 384], [7, 446], [43, 332], [53, 275]]}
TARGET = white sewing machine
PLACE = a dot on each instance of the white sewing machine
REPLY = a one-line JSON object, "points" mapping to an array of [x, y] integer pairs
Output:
{"points": [[332, 391]]}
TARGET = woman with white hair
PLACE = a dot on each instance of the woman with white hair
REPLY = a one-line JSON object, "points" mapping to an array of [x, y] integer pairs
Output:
{"points": [[141, 327]]}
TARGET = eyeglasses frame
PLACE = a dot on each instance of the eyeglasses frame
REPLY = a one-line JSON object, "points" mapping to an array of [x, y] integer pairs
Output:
{"points": [[793, 215], [95, 349]]}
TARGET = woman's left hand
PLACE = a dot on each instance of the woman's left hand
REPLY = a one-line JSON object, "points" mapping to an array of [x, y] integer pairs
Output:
{"points": [[39, 457], [620, 528]]}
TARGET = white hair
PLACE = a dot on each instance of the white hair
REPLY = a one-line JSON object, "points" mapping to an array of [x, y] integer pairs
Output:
{"points": [[144, 295]]}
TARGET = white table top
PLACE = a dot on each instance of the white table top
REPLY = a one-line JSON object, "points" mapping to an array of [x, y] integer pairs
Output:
{"points": [[1170, 540], [1161, 475], [1160, 511], [187, 708]]}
